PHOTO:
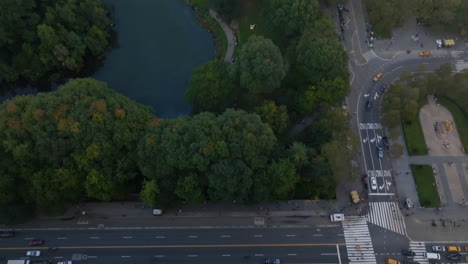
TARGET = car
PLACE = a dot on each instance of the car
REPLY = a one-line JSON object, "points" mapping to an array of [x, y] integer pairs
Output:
{"points": [[65, 262], [438, 248], [425, 53], [454, 256], [466, 248], [392, 261], [408, 203], [380, 151], [410, 261], [408, 253], [7, 234], [385, 142], [378, 77], [382, 89], [41, 262], [373, 181], [33, 253], [368, 105], [439, 43], [453, 248], [271, 261], [337, 217], [157, 212], [36, 242], [466, 259]]}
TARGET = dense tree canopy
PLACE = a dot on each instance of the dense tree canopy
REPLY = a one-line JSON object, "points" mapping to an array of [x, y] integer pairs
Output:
{"points": [[260, 65], [44, 38], [291, 17], [79, 140]]}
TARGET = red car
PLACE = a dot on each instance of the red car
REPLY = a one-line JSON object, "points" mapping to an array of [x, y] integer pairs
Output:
{"points": [[36, 242]]}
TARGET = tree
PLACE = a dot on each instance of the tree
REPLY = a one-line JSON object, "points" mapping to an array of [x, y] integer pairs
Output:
{"points": [[321, 58], [297, 154], [227, 9], [260, 66], [292, 16], [189, 189], [385, 15], [396, 150], [274, 115], [210, 89], [149, 193]]}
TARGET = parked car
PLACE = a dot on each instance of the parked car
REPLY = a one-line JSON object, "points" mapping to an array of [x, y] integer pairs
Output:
{"points": [[385, 142], [382, 89], [466, 248], [373, 181], [425, 53], [33, 253], [378, 77], [272, 261], [408, 253], [368, 105], [438, 248], [36, 242], [409, 204], [7, 234], [454, 256], [157, 212], [453, 248], [380, 151]]}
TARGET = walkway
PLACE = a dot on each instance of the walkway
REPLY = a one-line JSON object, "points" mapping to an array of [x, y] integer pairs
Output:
{"points": [[230, 36]]}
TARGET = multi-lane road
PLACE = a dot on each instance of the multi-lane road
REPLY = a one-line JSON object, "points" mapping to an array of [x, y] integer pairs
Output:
{"points": [[318, 244]]}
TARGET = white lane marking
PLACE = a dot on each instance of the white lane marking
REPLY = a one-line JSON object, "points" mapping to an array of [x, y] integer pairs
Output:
{"points": [[58, 257], [317, 235], [258, 235], [28, 238], [338, 251], [193, 236], [340, 235], [259, 255], [397, 68], [328, 254], [125, 256], [160, 237], [159, 256], [94, 237], [291, 254], [92, 256], [290, 235], [192, 256], [61, 238], [226, 236], [226, 255], [127, 237]]}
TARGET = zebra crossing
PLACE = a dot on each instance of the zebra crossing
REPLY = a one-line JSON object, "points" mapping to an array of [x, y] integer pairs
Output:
{"points": [[379, 173], [358, 240], [363, 126], [369, 55], [387, 215], [460, 65], [419, 248]]}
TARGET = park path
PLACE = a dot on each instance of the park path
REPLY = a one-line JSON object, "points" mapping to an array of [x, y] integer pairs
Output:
{"points": [[230, 36]]}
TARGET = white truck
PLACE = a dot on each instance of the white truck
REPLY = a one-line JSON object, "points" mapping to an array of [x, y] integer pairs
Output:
{"points": [[19, 261]]}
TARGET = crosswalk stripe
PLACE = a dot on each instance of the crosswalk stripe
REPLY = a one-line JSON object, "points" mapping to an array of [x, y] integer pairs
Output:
{"points": [[369, 55], [363, 126], [356, 233], [419, 248], [387, 215], [379, 173]]}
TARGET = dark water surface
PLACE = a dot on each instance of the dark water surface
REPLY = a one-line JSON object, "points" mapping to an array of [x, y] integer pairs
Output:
{"points": [[160, 43]]}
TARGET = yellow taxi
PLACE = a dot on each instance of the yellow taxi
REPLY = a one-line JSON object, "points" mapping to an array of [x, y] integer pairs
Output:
{"points": [[425, 53], [378, 76], [392, 261]]}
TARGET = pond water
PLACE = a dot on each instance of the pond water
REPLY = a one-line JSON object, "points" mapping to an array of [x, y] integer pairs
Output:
{"points": [[160, 44]]}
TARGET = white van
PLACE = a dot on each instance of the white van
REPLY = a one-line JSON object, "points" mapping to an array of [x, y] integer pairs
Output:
{"points": [[432, 256]]}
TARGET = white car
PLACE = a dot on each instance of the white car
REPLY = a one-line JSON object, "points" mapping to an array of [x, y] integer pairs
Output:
{"points": [[65, 262], [373, 181], [438, 248], [33, 253], [337, 217]]}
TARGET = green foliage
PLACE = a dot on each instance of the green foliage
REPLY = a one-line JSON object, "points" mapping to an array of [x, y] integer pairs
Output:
{"points": [[79, 140], [426, 187], [414, 138], [227, 9], [260, 66], [385, 15], [149, 193], [274, 115], [42, 38], [291, 17], [210, 89], [460, 118]]}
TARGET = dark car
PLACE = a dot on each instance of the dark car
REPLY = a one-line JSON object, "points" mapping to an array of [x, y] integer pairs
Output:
{"points": [[382, 89], [7, 234], [41, 262], [408, 253], [36, 242], [385, 142], [271, 261], [409, 261], [454, 256], [368, 105]]}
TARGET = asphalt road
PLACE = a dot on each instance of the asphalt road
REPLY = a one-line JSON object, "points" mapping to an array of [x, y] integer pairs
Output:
{"points": [[292, 245]]}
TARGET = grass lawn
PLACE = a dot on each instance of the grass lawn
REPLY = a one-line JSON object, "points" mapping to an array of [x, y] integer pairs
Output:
{"points": [[414, 138], [251, 14], [425, 184], [461, 120]]}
